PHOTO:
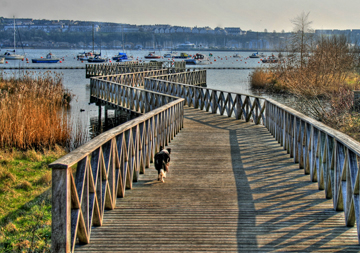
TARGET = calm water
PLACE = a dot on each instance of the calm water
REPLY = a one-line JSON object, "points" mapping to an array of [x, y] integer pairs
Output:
{"points": [[74, 79]]}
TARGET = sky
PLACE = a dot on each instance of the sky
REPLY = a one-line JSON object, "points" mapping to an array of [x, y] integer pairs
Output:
{"points": [[255, 15]]}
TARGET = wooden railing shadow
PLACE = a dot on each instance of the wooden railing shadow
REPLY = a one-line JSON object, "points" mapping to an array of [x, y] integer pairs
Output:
{"points": [[275, 181]]}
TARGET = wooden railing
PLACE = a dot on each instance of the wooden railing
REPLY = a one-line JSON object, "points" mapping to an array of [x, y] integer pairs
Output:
{"points": [[108, 164], [190, 76], [136, 79], [88, 180], [240, 106], [119, 68], [329, 156], [129, 67], [133, 99], [133, 79]]}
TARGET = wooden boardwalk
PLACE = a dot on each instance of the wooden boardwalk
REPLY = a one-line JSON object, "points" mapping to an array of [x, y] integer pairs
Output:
{"points": [[231, 188]]}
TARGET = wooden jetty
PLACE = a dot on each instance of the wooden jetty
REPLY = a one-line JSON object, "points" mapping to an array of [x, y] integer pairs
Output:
{"points": [[231, 188], [247, 174]]}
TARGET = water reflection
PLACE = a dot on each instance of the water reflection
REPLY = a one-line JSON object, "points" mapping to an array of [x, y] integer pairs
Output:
{"points": [[110, 119]]}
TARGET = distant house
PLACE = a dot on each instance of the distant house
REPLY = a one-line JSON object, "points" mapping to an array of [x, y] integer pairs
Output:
{"points": [[233, 31], [187, 30], [195, 30], [206, 30], [219, 30]]}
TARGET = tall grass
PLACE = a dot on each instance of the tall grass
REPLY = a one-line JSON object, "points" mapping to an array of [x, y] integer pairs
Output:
{"points": [[33, 111]]}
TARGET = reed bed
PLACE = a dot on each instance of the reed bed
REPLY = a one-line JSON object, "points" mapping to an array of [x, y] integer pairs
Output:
{"points": [[33, 111]]}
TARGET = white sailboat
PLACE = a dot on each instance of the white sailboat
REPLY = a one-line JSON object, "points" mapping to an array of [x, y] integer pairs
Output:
{"points": [[11, 54]]}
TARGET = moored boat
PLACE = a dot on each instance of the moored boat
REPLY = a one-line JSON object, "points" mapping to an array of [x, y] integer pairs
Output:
{"points": [[271, 59], [152, 55], [121, 57], [84, 56], [182, 56], [198, 59], [170, 55], [2, 60], [11, 54], [257, 55], [237, 56], [50, 58], [96, 59]]}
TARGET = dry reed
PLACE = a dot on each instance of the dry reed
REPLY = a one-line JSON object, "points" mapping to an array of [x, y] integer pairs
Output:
{"points": [[33, 112]]}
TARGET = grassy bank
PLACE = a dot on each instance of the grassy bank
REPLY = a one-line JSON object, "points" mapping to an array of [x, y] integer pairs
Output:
{"points": [[25, 200], [34, 131]]}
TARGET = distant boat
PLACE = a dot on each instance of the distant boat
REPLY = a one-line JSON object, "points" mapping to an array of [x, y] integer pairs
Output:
{"points": [[122, 57], [257, 55], [152, 55], [198, 59], [271, 59], [11, 54], [84, 56], [2, 60], [97, 58], [50, 58], [237, 56], [182, 56], [170, 55]]}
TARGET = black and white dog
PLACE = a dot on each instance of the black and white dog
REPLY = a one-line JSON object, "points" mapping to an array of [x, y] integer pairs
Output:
{"points": [[162, 162]]}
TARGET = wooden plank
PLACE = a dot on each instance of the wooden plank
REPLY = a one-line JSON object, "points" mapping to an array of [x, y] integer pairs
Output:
{"points": [[232, 188]]}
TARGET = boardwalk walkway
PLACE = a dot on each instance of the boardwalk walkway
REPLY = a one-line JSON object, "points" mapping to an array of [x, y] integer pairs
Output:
{"points": [[231, 188]]}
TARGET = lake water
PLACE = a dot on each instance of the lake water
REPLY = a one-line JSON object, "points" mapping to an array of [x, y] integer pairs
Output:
{"points": [[232, 80]]}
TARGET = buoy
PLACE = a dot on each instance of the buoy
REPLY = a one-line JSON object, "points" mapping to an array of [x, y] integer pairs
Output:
{"points": [[60, 61], [6, 62], [41, 57], [27, 62], [22, 59], [214, 59], [27, 59]]}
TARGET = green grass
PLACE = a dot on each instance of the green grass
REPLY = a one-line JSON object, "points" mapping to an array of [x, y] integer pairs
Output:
{"points": [[25, 200]]}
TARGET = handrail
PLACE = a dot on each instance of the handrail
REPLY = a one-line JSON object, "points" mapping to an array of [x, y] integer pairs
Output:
{"points": [[128, 67], [88, 180], [237, 105], [120, 68], [109, 163], [329, 156]]}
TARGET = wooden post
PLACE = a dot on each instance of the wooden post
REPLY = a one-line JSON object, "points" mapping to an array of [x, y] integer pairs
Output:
{"points": [[99, 115], [61, 211]]}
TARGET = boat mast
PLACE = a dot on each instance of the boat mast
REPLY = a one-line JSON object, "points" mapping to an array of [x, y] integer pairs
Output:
{"points": [[14, 33], [93, 38]]}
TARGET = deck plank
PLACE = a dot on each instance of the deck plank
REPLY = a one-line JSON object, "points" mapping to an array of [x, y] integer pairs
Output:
{"points": [[232, 188]]}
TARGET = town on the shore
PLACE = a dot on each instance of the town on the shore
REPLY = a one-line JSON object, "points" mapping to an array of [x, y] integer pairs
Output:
{"points": [[36, 33]]}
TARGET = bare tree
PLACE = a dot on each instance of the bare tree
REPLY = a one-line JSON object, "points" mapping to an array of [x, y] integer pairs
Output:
{"points": [[302, 37]]}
